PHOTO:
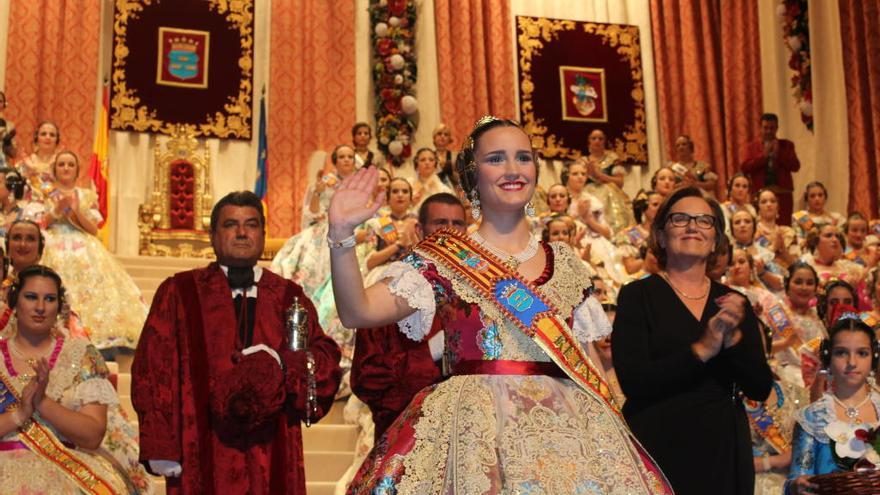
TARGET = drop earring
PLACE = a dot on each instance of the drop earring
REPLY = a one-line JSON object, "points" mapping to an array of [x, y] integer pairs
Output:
{"points": [[475, 207], [530, 209]]}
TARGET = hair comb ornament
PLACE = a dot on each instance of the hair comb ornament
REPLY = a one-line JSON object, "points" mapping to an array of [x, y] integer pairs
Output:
{"points": [[642, 195]]}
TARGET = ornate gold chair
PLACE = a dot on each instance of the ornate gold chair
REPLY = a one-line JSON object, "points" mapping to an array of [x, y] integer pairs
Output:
{"points": [[176, 220]]}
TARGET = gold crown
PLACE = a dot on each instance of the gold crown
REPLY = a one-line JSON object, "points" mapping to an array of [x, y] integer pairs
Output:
{"points": [[184, 43]]}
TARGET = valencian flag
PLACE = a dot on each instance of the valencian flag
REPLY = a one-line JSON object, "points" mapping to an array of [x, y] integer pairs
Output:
{"points": [[262, 157], [98, 164]]}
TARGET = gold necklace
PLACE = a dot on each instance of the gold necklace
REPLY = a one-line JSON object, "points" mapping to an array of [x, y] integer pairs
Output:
{"points": [[681, 292], [31, 361]]}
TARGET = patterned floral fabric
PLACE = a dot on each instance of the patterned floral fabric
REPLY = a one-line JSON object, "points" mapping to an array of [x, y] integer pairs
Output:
{"points": [[784, 402], [811, 447], [98, 287], [79, 377], [502, 433]]}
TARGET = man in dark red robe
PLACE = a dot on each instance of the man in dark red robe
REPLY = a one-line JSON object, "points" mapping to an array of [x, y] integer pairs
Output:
{"points": [[218, 394], [388, 369], [770, 162]]}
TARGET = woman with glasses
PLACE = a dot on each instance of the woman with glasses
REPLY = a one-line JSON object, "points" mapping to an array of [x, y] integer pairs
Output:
{"points": [[686, 350]]}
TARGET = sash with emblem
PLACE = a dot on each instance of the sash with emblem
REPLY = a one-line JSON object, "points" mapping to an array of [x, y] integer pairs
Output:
{"points": [[49, 448], [520, 301]]}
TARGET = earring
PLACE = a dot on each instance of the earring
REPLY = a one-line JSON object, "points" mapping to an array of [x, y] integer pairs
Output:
{"points": [[475, 208], [530, 209]]}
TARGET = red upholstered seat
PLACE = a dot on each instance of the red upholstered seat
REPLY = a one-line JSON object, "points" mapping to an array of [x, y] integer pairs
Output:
{"points": [[181, 188]]}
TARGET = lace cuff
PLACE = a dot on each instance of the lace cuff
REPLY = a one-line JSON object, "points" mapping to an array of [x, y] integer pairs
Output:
{"points": [[406, 282], [96, 390], [590, 322]]}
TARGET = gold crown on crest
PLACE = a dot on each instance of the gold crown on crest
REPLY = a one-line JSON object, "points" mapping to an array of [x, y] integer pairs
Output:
{"points": [[184, 43]]}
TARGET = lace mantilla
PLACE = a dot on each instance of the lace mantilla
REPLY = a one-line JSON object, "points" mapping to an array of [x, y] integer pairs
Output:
{"points": [[406, 282]]}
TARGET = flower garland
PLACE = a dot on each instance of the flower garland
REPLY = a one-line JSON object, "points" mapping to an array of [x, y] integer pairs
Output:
{"points": [[795, 19], [393, 25]]}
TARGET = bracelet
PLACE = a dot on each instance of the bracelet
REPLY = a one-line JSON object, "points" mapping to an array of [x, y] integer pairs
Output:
{"points": [[17, 418], [348, 242], [765, 461]]}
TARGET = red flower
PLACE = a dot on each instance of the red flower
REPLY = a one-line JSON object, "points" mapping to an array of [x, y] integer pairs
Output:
{"points": [[862, 435], [407, 151], [392, 105], [384, 46], [397, 7], [794, 9]]}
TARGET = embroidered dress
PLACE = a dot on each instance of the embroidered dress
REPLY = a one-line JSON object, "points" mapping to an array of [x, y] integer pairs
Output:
{"points": [[618, 206], [603, 254], [98, 287], [79, 377], [803, 221], [479, 432], [772, 424], [812, 452]]}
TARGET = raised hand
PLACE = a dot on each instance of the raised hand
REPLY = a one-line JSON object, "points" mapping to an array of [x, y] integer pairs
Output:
{"points": [[354, 201]]}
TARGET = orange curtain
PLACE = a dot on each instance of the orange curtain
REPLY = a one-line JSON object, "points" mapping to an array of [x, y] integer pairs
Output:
{"points": [[51, 70], [861, 43], [475, 62], [707, 59], [311, 97]]}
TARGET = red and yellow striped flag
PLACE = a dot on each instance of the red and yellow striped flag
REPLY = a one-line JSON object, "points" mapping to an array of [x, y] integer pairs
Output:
{"points": [[98, 164]]}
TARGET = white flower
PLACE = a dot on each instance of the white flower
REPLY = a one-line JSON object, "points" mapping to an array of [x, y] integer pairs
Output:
{"points": [[806, 108], [845, 442], [394, 21], [381, 29], [794, 42], [873, 457]]}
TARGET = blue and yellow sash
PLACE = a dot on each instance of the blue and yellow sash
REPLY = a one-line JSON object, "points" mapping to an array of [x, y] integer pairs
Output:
{"points": [[387, 230], [48, 447], [762, 420], [519, 301]]}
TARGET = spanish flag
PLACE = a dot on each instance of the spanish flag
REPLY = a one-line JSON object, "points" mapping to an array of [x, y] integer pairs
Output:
{"points": [[98, 163]]}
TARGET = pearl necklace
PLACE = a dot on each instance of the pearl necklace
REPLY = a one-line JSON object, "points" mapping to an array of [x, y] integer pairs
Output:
{"points": [[681, 292], [511, 260], [852, 412]]}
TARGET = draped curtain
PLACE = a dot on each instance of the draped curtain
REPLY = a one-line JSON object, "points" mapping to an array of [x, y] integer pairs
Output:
{"points": [[311, 97], [475, 62], [861, 43], [707, 58], [51, 71]]}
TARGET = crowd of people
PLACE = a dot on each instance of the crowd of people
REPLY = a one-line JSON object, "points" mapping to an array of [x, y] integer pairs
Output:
{"points": [[487, 335]]}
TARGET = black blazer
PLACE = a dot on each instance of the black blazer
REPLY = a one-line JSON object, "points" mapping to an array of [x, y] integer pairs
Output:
{"points": [[685, 412]]}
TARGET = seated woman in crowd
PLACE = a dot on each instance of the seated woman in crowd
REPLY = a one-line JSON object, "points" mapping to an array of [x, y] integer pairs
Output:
{"points": [[630, 240], [781, 240], [742, 227], [851, 355], [825, 253], [37, 168], [11, 191], [688, 170], [857, 250], [563, 228], [98, 287], [815, 215], [663, 181], [56, 393], [395, 232], [739, 197], [801, 294], [426, 181], [361, 134], [605, 181]]}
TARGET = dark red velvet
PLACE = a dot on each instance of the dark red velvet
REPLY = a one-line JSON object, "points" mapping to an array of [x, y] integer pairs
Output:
{"points": [[182, 189], [166, 384], [755, 166], [387, 371]]}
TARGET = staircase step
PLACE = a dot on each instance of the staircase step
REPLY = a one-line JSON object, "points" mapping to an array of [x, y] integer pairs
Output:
{"points": [[335, 416], [330, 437], [327, 466], [320, 487]]}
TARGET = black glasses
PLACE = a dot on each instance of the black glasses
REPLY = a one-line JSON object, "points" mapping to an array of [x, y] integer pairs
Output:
{"points": [[683, 219]]}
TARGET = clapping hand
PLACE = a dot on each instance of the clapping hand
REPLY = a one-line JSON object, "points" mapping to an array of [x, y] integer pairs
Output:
{"points": [[723, 328], [354, 202], [34, 391]]}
